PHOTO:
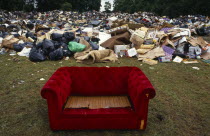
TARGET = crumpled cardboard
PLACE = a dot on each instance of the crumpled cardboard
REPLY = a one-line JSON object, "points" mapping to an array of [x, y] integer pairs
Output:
{"points": [[201, 42], [103, 37], [141, 33], [142, 51], [177, 32], [173, 32], [193, 41], [117, 40], [40, 38], [118, 30], [144, 29], [169, 42], [30, 39], [97, 56], [134, 26], [150, 46], [48, 34], [166, 25], [9, 41], [84, 42], [80, 21], [136, 40], [150, 61], [156, 52], [151, 33]]}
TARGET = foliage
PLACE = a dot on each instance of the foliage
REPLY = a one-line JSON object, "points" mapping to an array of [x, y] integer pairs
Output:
{"points": [[12, 5], [107, 6], [28, 7], [47, 5], [164, 7], [160, 7], [66, 6], [85, 5]]}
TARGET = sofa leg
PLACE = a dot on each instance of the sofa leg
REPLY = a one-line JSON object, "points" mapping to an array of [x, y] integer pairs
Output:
{"points": [[142, 125]]}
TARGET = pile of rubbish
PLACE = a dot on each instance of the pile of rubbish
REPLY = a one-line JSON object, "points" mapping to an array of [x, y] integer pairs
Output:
{"points": [[92, 37]]}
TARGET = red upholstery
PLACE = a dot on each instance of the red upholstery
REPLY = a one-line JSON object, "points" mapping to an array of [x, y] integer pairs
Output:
{"points": [[97, 81]]}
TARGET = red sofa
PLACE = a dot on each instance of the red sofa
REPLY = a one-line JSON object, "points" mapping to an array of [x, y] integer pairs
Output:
{"points": [[98, 81]]}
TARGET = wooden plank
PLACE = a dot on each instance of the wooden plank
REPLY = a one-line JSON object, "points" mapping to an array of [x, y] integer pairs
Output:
{"points": [[96, 102]]}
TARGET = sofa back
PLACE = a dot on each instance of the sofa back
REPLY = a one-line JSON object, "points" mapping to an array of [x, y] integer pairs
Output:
{"points": [[98, 81]]}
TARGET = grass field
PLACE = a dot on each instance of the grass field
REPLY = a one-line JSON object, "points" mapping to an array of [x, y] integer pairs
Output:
{"points": [[180, 108]]}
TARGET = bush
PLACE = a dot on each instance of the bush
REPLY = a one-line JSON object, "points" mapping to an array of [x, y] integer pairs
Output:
{"points": [[66, 6]]}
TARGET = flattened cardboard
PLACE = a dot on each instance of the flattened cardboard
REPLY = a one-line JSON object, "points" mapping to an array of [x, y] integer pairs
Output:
{"points": [[198, 41], [97, 102], [201, 42]]}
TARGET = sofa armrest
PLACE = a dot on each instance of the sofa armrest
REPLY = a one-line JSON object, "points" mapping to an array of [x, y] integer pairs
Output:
{"points": [[140, 91], [139, 84], [58, 88]]}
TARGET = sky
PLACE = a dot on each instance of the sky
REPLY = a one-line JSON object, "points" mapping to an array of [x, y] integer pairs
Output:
{"points": [[103, 3]]}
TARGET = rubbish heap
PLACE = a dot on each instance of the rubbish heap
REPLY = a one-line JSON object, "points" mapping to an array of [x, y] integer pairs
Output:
{"points": [[92, 37]]}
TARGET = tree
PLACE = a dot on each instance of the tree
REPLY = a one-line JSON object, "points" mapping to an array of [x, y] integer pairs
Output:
{"points": [[107, 6], [77, 5], [29, 5], [66, 6], [164, 7], [47, 5], [12, 5]]}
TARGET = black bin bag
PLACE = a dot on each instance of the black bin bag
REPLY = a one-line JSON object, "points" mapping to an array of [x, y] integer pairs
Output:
{"points": [[36, 55], [56, 54]]}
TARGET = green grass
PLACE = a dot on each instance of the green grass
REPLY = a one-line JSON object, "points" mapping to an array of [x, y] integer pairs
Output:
{"points": [[182, 99]]}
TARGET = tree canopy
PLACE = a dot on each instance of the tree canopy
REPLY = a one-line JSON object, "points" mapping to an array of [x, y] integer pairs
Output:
{"points": [[66, 6], [164, 7], [107, 6], [160, 7], [47, 5]]}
